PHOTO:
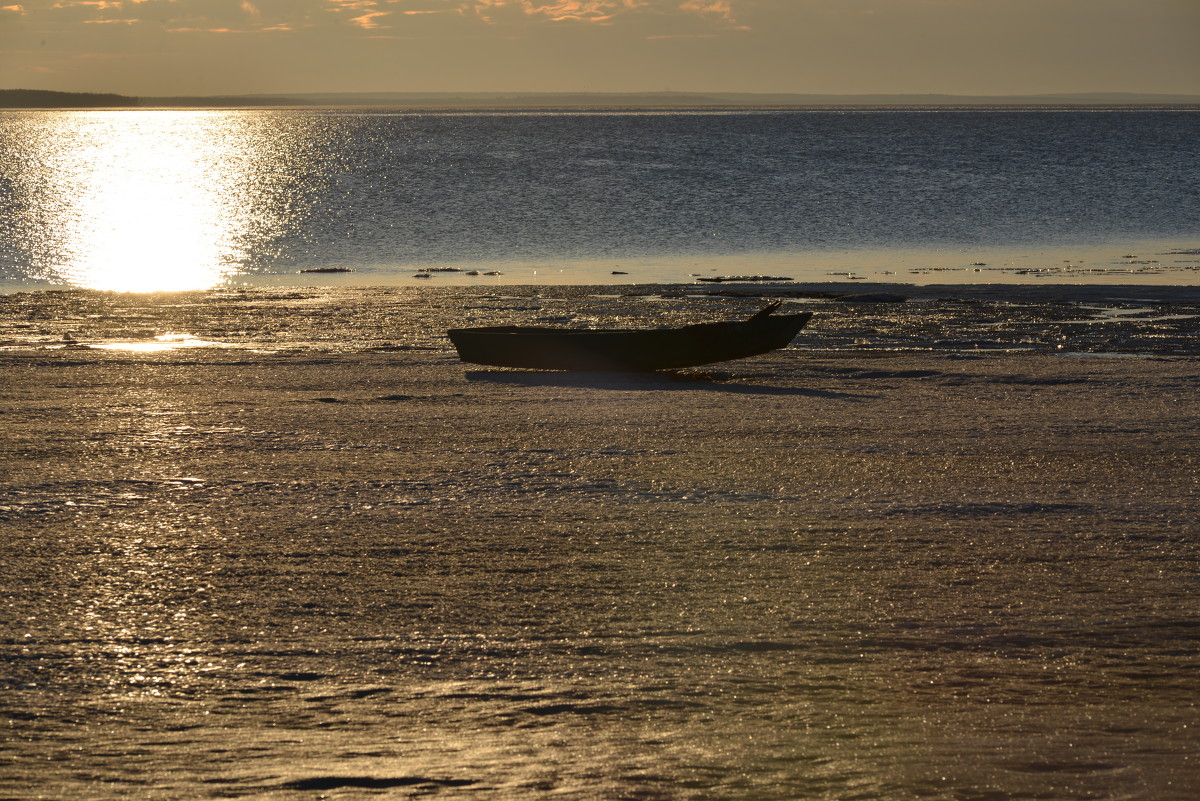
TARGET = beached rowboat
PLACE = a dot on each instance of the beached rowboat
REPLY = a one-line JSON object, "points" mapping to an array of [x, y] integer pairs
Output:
{"points": [[625, 348]]}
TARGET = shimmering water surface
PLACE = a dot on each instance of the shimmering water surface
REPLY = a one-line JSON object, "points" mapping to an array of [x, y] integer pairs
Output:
{"points": [[923, 554], [279, 543], [165, 200]]}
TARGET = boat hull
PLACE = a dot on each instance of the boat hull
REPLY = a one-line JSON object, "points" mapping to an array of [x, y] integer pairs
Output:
{"points": [[627, 349]]}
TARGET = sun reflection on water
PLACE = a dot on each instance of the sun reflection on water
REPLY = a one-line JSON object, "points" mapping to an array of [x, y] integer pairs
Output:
{"points": [[159, 344], [142, 201]]}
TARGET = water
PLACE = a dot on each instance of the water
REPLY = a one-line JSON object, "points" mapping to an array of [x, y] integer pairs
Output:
{"points": [[267, 543], [145, 200], [330, 559]]}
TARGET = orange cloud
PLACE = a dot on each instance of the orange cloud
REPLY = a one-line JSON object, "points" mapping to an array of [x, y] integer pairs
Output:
{"points": [[281, 27], [98, 5], [353, 5], [596, 10], [367, 21], [14, 9], [558, 11]]}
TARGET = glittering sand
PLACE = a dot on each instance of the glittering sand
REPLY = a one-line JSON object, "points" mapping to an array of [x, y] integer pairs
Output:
{"points": [[283, 544]]}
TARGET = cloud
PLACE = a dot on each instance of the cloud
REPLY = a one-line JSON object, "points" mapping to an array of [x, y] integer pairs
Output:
{"points": [[580, 10], [651, 17], [597, 11], [98, 5], [367, 12], [367, 21], [716, 9]]}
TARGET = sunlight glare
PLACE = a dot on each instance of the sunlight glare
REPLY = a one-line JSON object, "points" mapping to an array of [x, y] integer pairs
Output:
{"points": [[145, 201], [161, 344]]}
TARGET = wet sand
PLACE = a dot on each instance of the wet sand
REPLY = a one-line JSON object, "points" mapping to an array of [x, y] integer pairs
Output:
{"points": [[938, 549]]}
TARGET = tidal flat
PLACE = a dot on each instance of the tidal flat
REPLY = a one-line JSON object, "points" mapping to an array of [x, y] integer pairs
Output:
{"points": [[283, 544]]}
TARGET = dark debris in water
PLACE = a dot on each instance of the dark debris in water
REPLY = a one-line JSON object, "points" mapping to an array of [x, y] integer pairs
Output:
{"points": [[371, 782], [722, 279]]}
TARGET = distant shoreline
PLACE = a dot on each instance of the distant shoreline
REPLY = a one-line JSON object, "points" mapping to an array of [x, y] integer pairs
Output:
{"points": [[667, 101]]}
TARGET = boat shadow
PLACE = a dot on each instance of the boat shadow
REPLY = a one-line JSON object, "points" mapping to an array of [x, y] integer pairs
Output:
{"points": [[660, 381]]}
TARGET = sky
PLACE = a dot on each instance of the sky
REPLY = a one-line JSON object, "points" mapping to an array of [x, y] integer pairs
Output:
{"points": [[977, 47]]}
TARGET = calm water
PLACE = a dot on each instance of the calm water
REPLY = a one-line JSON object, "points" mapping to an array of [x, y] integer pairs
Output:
{"points": [[142, 200]]}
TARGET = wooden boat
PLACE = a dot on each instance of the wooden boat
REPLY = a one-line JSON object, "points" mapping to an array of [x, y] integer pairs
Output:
{"points": [[624, 348]]}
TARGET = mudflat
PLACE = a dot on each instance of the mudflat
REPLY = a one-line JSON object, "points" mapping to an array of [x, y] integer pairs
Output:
{"points": [[284, 544]]}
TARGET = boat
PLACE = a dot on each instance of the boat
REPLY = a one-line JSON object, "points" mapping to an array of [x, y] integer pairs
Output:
{"points": [[541, 348]]}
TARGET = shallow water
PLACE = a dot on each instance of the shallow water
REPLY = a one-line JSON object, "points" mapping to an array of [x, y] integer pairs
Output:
{"points": [[1112, 320], [333, 561]]}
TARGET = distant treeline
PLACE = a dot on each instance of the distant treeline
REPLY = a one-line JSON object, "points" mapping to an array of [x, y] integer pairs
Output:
{"points": [[36, 98]]}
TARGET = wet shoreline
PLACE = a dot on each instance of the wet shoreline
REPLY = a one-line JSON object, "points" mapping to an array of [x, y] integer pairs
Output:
{"points": [[1100, 319], [923, 553]]}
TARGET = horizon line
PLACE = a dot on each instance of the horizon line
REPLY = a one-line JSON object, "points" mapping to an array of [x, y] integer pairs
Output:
{"points": [[657, 98]]}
